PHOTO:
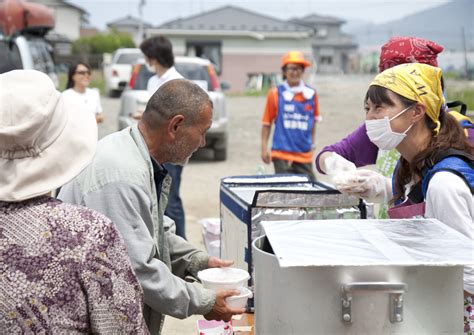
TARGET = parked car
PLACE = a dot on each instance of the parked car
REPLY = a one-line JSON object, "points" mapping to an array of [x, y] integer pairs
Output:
{"points": [[201, 71], [22, 43], [118, 69]]}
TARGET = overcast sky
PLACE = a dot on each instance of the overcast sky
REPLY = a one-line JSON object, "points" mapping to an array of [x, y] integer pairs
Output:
{"points": [[160, 11]]}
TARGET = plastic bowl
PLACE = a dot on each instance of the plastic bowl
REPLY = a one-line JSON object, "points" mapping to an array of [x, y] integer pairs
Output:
{"points": [[223, 278], [239, 301]]}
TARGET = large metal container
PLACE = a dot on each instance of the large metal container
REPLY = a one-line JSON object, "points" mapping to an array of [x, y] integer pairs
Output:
{"points": [[359, 277], [246, 201]]}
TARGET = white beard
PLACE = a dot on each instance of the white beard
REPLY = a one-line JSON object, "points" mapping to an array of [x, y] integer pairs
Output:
{"points": [[175, 149]]}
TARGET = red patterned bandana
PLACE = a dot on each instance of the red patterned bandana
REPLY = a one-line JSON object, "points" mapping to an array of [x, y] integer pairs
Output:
{"points": [[401, 50]]}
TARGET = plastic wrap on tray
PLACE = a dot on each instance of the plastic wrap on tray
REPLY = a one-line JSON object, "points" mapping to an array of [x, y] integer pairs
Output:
{"points": [[312, 213], [276, 198], [367, 242]]}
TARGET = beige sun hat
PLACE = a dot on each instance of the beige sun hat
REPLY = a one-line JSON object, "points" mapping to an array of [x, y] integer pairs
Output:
{"points": [[44, 143]]}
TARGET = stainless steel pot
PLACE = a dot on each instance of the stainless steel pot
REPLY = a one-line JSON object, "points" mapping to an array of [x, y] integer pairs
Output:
{"points": [[355, 299]]}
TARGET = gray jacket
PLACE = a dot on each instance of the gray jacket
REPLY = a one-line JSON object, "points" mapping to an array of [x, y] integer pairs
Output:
{"points": [[119, 183]]}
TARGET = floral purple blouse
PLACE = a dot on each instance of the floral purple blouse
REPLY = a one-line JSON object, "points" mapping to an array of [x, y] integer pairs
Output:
{"points": [[65, 269]]}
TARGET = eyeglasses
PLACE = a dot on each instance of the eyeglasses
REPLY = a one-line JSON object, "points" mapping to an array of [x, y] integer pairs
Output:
{"points": [[83, 73], [294, 68]]}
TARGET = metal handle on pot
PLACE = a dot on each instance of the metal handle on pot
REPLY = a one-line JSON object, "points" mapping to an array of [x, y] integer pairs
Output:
{"points": [[395, 291]]}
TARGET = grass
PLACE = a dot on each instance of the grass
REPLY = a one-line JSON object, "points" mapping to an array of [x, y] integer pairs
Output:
{"points": [[249, 93], [62, 77], [465, 95], [97, 81], [254, 93]]}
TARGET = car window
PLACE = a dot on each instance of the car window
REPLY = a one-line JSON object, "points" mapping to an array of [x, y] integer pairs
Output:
{"points": [[189, 71], [194, 72], [42, 60], [128, 58], [10, 58]]}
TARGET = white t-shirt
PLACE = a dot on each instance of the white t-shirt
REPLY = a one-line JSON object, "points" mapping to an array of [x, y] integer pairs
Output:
{"points": [[89, 100], [155, 82], [449, 200]]}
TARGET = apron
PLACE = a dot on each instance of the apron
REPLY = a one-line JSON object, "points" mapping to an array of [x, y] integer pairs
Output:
{"points": [[406, 210]]}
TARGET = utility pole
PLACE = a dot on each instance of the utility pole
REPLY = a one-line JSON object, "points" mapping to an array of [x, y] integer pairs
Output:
{"points": [[466, 69], [141, 33]]}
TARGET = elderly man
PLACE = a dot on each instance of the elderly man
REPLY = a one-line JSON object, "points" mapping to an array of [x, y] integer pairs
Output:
{"points": [[127, 182]]}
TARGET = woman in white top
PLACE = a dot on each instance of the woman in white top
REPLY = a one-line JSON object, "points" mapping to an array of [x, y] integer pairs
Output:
{"points": [[435, 175], [78, 92]]}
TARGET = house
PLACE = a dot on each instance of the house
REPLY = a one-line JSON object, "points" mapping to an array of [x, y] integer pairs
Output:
{"points": [[130, 25], [68, 18], [238, 41], [88, 31], [332, 49]]}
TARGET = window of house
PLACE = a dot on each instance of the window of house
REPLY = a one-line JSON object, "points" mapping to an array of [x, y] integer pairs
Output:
{"points": [[326, 60], [211, 50], [322, 32]]}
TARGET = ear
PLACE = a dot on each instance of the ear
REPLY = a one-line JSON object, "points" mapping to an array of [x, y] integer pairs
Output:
{"points": [[418, 112], [174, 124]]}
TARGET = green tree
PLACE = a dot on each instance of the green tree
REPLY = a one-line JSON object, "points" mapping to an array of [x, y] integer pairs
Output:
{"points": [[102, 43]]}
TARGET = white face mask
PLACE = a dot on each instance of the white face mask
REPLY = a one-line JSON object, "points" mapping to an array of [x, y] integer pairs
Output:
{"points": [[381, 134]]}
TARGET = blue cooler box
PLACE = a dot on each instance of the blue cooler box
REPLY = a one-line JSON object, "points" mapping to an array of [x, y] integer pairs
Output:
{"points": [[246, 201]]}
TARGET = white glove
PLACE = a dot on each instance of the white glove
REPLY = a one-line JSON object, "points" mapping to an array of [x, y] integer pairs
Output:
{"points": [[366, 184], [335, 164]]}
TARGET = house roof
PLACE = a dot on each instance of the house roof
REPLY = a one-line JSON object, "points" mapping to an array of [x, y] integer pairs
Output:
{"points": [[315, 19], [233, 19], [82, 10], [61, 3], [128, 21]]}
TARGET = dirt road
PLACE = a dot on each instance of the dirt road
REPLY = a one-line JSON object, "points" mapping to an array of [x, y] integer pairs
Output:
{"points": [[341, 108]]}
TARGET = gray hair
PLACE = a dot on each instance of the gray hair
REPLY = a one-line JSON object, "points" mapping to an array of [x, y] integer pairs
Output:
{"points": [[177, 96]]}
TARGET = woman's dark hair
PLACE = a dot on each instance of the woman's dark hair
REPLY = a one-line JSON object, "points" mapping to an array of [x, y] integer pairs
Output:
{"points": [[450, 136], [72, 71], [159, 48]]}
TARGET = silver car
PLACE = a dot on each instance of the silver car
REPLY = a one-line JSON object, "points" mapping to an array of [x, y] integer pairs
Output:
{"points": [[201, 71]]}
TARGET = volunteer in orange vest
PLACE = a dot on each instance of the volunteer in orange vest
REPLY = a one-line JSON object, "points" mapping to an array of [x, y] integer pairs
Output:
{"points": [[293, 109]]}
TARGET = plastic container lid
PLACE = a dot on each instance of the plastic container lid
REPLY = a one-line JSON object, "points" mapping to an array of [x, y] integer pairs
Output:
{"points": [[223, 275]]}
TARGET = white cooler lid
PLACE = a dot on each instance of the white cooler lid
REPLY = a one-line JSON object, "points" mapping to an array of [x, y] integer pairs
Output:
{"points": [[265, 179], [245, 187], [367, 242]]}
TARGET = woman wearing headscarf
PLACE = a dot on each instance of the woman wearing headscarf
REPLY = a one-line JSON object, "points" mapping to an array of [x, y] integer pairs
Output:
{"points": [[356, 149], [435, 175], [65, 268]]}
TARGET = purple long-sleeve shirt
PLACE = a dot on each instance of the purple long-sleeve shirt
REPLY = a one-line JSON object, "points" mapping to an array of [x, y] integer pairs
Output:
{"points": [[356, 147]]}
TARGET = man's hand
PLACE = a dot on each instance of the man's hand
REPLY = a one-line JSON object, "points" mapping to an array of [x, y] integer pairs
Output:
{"points": [[220, 310], [215, 262]]}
